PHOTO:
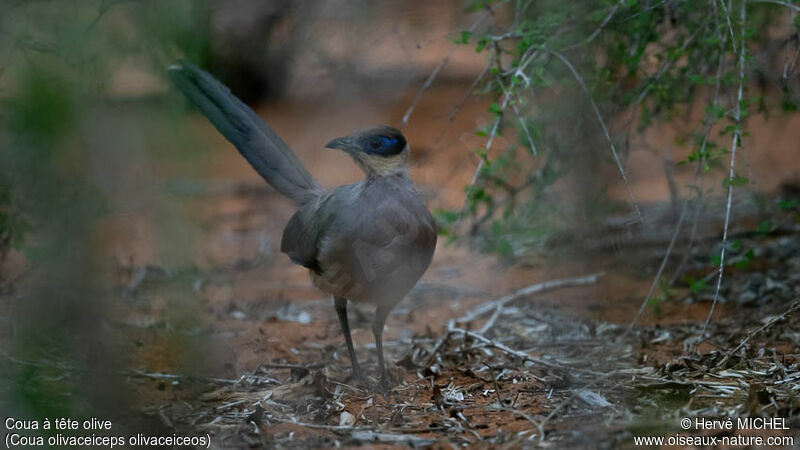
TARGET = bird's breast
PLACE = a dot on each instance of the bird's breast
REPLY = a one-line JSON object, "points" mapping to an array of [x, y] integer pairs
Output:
{"points": [[379, 245]]}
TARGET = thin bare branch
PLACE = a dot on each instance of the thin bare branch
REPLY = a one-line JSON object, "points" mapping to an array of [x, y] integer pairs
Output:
{"points": [[579, 79], [428, 83], [660, 268], [737, 136], [526, 131], [605, 21], [730, 25], [664, 68], [778, 2], [456, 109], [432, 77], [490, 141], [715, 100], [522, 123], [675, 234]]}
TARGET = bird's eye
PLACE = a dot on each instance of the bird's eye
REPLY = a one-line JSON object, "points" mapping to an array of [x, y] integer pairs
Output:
{"points": [[380, 142], [382, 145]]}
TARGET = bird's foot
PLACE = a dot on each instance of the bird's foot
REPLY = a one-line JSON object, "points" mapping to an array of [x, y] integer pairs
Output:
{"points": [[360, 379]]}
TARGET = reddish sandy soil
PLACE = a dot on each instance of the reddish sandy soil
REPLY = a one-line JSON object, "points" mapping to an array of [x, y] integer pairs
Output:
{"points": [[241, 318]]}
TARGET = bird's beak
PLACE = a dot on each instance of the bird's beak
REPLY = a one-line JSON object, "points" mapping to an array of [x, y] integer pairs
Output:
{"points": [[340, 143]]}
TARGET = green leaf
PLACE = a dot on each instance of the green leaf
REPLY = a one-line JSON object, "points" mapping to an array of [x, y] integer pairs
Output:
{"points": [[715, 111], [482, 42], [765, 227], [788, 205], [734, 182], [697, 79], [477, 5], [445, 232], [655, 303], [788, 105], [696, 286], [716, 259], [475, 192], [445, 216]]}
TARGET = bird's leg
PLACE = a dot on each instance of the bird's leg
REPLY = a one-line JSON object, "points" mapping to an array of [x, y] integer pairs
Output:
{"points": [[377, 330], [341, 311]]}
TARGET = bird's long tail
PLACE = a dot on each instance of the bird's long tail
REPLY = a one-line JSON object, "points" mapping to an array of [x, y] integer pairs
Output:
{"points": [[254, 139]]}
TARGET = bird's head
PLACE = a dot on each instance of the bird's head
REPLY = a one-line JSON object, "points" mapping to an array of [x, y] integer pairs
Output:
{"points": [[379, 150]]}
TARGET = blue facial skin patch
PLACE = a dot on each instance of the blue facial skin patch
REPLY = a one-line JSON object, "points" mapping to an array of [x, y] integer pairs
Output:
{"points": [[387, 142], [384, 145]]}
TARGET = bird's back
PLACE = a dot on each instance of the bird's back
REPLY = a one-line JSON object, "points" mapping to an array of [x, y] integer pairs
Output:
{"points": [[367, 241]]}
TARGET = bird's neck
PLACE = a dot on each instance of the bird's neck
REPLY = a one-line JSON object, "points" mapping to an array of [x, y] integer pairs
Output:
{"points": [[380, 166]]}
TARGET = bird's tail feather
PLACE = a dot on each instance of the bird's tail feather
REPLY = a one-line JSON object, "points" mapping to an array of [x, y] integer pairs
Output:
{"points": [[254, 139]]}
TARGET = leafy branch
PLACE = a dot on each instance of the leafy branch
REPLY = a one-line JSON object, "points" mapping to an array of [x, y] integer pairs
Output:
{"points": [[561, 74]]}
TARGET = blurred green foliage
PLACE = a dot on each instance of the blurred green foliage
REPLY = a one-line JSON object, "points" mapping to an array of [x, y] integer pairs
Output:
{"points": [[69, 134], [640, 62], [13, 226]]}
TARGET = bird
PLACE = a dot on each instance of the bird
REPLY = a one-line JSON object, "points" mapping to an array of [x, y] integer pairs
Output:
{"points": [[367, 242]]}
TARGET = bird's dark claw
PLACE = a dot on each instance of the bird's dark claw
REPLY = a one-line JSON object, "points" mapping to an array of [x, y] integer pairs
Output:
{"points": [[360, 379], [382, 387]]}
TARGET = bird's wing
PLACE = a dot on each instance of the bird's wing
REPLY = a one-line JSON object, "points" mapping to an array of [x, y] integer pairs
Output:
{"points": [[255, 140], [309, 226]]}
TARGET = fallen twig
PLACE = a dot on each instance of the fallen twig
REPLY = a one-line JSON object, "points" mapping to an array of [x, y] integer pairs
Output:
{"points": [[441, 341], [496, 385], [173, 376], [321, 426], [794, 307], [388, 438], [498, 304], [291, 366], [519, 354]]}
